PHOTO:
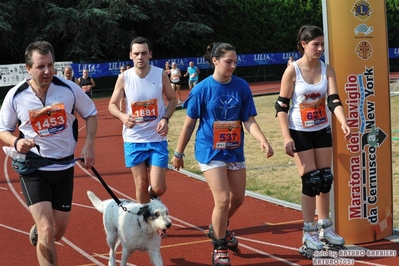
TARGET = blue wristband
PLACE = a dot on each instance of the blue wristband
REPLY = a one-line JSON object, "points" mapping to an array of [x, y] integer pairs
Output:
{"points": [[178, 154]]}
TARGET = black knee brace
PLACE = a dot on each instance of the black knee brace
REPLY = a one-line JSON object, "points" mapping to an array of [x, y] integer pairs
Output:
{"points": [[311, 183], [326, 180]]}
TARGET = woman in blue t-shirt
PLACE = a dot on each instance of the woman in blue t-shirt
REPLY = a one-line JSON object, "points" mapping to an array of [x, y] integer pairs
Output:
{"points": [[223, 104]]}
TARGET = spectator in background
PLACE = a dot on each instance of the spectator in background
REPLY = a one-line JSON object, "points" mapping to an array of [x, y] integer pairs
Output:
{"points": [[192, 72], [122, 69], [175, 75], [68, 74], [86, 83], [167, 68], [128, 66]]}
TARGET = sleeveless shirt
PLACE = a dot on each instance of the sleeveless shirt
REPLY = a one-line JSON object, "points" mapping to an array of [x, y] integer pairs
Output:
{"points": [[145, 89], [307, 93]]}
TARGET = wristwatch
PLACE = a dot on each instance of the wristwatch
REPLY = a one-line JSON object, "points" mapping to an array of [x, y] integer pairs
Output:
{"points": [[166, 118]]}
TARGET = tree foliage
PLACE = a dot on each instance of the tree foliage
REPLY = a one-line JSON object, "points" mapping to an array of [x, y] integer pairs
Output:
{"points": [[100, 30], [94, 30], [393, 22], [259, 25]]}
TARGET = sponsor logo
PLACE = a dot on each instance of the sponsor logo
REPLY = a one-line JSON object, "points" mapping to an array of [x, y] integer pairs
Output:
{"points": [[364, 50], [362, 10]]}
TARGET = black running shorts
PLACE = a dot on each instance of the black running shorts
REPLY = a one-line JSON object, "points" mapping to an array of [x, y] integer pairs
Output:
{"points": [[305, 140], [53, 186]]}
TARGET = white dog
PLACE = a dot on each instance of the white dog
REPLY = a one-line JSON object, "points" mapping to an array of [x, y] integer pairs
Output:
{"points": [[138, 228]]}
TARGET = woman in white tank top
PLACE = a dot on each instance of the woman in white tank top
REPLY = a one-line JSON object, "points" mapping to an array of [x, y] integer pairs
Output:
{"points": [[309, 83]]}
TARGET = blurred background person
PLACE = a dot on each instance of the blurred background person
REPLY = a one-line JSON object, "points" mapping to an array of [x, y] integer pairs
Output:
{"points": [[86, 83], [192, 73], [175, 76], [68, 74], [167, 68]]}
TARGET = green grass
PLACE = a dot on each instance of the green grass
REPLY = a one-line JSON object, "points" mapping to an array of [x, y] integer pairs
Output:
{"points": [[277, 176]]}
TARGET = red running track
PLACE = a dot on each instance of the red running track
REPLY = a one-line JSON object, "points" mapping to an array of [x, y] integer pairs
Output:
{"points": [[269, 234]]}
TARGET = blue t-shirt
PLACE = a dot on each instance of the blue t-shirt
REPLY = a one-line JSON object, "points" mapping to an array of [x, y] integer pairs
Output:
{"points": [[191, 72], [212, 101]]}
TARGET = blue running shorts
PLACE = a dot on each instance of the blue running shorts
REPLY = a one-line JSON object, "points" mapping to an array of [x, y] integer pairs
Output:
{"points": [[154, 153]]}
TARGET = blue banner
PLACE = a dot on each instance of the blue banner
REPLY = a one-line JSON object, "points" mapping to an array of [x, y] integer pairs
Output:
{"points": [[393, 53], [107, 69]]}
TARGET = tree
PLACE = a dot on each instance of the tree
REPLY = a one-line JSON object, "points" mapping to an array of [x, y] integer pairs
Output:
{"points": [[5, 28], [97, 30], [266, 25], [393, 23], [177, 28], [101, 30], [25, 27]]}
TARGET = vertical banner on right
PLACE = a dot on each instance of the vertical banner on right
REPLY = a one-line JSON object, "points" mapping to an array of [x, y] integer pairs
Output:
{"points": [[356, 46]]}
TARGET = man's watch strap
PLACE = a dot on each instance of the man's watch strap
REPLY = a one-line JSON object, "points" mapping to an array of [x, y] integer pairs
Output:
{"points": [[166, 118]]}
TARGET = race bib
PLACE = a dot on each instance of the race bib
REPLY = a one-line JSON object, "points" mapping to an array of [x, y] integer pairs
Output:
{"points": [[145, 111], [48, 120], [175, 79], [226, 134], [314, 113]]}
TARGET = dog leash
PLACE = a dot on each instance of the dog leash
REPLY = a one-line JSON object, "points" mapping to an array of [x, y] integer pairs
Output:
{"points": [[120, 204]]}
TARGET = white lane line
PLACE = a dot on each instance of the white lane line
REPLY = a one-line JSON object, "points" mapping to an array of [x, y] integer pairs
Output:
{"points": [[188, 224], [23, 232], [7, 177]]}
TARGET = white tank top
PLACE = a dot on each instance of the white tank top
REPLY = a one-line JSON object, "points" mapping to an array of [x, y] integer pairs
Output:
{"points": [[174, 74], [307, 94], [147, 94]]}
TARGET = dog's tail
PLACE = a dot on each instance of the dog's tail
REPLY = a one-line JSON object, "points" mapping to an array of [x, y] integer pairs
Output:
{"points": [[97, 203]]}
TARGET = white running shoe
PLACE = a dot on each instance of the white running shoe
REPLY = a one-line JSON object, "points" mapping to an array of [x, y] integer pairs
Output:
{"points": [[327, 233], [311, 236]]}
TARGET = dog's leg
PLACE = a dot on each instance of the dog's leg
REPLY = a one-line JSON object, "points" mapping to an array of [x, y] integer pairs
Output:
{"points": [[155, 257], [112, 261], [112, 240], [125, 256]]}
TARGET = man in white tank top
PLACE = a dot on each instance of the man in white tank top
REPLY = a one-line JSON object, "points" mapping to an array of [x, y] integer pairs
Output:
{"points": [[145, 120]]}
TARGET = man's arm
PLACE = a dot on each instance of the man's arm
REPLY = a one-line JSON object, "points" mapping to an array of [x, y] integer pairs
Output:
{"points": [[114, 103], [117, 96], [8, 138], [21, 145], [88, 148]]}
